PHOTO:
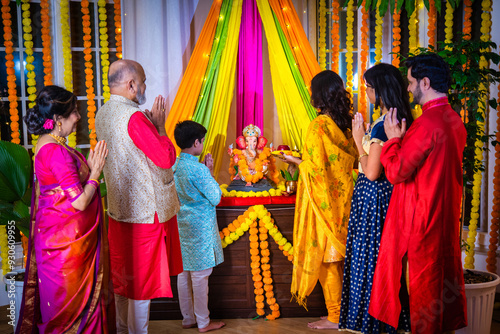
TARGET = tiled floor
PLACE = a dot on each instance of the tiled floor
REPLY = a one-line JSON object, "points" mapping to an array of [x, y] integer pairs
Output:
{"points": [[241, 326]]}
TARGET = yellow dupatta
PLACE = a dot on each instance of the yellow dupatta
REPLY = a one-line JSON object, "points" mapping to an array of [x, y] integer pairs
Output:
{"points": [[323, 203]]}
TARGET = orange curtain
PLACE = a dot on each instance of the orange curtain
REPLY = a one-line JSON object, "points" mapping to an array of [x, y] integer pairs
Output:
{"points": [[187, 96], [297, 39]]}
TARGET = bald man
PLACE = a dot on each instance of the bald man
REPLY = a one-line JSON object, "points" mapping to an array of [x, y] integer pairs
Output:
{"points": [[142, 200]]}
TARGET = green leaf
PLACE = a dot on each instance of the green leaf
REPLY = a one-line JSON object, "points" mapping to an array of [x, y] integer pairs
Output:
{"points": [[296, 175], [15, 171], [410, 7], [104, 189], [383, 7], [400, 5], [392, 7], [7, 215], [426, 4], [463, 59], [438, 6], [493, 103], [21, 209], [27, 196], [23, 225]]}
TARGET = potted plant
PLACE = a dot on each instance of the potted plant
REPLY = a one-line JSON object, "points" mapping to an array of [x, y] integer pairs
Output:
{"points": [[15, 201], [290, 179], [469, 96]]}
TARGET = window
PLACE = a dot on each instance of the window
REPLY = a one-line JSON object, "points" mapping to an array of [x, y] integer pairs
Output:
{"points": [[75, 17]]}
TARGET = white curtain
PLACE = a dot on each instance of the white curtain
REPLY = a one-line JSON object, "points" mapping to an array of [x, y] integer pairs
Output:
{"points": [[161, 35]]}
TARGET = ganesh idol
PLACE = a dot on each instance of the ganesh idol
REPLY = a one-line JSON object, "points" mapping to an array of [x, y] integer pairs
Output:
{"points": [[252, 164]]}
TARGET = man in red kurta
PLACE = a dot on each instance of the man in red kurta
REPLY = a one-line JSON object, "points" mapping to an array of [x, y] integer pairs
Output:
{"points": [[142, 201], [422, 223]]}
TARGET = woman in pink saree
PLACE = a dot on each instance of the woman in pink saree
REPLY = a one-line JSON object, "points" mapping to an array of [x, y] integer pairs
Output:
{"points": [[67, 287]]}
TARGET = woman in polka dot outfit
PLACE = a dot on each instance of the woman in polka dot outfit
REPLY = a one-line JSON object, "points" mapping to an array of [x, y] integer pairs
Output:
{"points": [[386, 89]]}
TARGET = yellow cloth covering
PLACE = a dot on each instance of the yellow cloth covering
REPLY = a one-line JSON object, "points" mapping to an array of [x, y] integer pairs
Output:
{"points": [[322, 209]]}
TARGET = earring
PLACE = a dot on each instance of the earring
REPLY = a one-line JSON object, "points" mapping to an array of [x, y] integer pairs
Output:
{"points": [[59, 125]]}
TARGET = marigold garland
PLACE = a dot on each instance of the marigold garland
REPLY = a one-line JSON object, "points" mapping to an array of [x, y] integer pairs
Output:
{"points": [[258, 222], [66, 45], [413, 32], [431, 27], [335, 33], [24, 241], [467, 29], [118, 28], [364, 53], [28, 44], [67, 57], [89, 73], [103, 37], [491, 260], [4, 249], [396, 35], [322, 35], [11, 72], [349, 56], [476, 185], [448, 23], [266, 272], [272, 173], [272, 192], [47, 58], [378, 34]]}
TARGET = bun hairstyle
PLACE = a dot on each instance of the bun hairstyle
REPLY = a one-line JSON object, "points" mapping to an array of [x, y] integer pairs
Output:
{"points": [[330, 97], [51, 101]]}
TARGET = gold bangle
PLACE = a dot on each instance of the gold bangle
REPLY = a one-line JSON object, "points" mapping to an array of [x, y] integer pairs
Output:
{"points": [[363, 155], [94, 180]]}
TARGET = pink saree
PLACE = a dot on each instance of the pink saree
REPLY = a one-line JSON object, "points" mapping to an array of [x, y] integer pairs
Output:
{"points": [[67, 286]]}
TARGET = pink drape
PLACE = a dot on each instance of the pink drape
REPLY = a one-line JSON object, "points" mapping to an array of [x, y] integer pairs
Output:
{"points": [[249, 103]]}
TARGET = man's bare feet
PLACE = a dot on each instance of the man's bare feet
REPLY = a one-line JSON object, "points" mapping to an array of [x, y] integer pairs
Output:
{"points": [[212, 326], [190, 326], [325, 317], [323, 324]]}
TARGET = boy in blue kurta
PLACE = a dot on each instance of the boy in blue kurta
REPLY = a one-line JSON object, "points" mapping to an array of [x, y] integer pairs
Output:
{"points": [[201, 248]]}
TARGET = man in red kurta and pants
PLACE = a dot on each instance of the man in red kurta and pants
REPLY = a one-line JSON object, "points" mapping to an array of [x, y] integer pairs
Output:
{"points": [[422, 223], [143, 236]]}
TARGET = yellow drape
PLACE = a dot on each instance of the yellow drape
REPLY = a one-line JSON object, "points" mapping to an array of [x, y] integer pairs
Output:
{"points": [[185, 100], [215, 139], [292, 112], [323, 203], [297, 39]]}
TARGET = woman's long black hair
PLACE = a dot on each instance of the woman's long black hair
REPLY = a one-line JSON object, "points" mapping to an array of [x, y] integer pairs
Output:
{"points": [[330, 97], [390, 90]]}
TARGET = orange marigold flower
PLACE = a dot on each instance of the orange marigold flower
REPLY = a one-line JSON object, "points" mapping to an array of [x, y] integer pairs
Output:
{"points": [[267, 280], [258, 284], [254, 265]]}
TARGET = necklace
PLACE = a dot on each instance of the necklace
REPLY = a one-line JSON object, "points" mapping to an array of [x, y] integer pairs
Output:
{"points": [[59, 139]]}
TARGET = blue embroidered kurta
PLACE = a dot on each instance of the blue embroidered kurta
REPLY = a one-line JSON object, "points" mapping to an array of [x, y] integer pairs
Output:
{"points": [[199, 193]]}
